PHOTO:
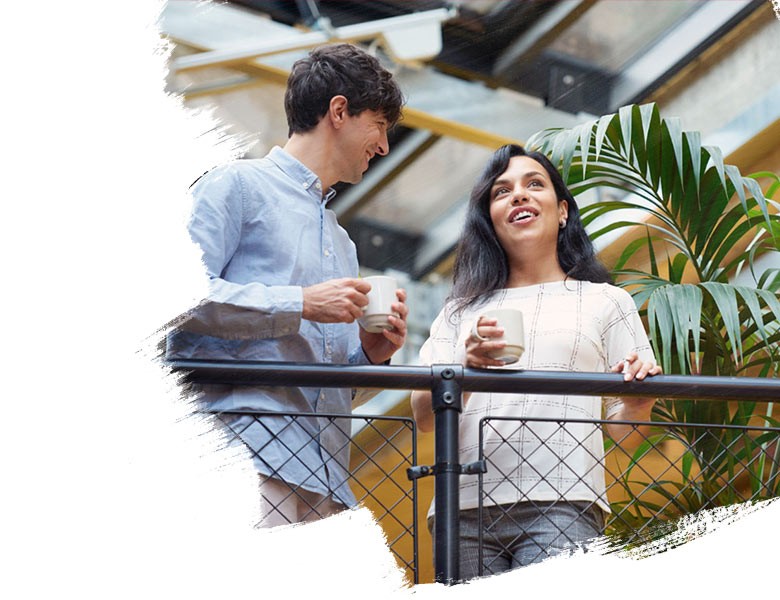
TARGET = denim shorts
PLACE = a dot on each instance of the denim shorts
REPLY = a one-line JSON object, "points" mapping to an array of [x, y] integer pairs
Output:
{"points": [[517, 535]]}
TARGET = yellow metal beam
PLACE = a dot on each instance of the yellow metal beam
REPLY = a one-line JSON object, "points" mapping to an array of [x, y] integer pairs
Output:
{"points": [[412, 117], [418, 119]]}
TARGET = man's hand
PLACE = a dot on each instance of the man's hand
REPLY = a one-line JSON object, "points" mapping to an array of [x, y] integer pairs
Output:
{"points": [[335, 300], [381, 346]]}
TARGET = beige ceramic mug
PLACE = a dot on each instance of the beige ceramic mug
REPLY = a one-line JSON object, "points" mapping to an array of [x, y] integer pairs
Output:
{"points": [[380, 300], [511, 320]]}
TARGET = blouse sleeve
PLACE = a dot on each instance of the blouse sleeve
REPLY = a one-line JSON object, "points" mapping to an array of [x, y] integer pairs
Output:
{"points": [[623, 333], [441, 346], [623, 329]]}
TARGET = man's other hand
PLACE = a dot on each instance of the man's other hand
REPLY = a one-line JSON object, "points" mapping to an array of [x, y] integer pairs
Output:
{"points": [[335, 300]]}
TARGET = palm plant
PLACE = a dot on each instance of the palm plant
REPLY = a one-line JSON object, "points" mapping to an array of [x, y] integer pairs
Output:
{"points": [[704, 224]]}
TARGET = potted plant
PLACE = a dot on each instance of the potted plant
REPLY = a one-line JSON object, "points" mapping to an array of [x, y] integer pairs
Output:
{"points": [[703, 224]]}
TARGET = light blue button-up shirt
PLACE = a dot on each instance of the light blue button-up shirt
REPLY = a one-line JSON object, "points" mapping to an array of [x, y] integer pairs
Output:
{"points": [[265, 234]]}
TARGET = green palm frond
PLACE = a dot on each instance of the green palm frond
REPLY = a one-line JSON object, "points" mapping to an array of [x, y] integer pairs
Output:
{"points": [[705, 223]]}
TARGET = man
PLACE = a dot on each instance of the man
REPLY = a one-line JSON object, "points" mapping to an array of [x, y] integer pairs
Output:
{"points": [[284, 280]]}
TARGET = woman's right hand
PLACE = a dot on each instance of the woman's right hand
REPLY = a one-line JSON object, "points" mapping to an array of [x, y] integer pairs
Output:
{"points": [[476, 348]]}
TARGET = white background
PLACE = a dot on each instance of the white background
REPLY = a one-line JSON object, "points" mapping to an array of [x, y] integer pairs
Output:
{"points": [[110, 489]]}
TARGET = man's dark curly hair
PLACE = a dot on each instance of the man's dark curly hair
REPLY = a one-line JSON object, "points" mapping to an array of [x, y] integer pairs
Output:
{"points": [[339, 69]]}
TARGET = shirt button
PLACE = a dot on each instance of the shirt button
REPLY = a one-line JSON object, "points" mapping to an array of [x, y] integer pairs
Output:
{"points": [[327, 253], [319, 187]]}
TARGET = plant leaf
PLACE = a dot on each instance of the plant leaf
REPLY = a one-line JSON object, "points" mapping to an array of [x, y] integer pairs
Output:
{"points": [[750, 297], [725, 298], [585, 136], [601, 132], [651, 125], [716, 158], [569, 147], [625, 118], [674, 128], [693, 139], [660, 313]]}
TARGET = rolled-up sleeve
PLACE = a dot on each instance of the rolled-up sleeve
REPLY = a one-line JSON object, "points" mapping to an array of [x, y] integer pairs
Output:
{"points": [[250, 310]]}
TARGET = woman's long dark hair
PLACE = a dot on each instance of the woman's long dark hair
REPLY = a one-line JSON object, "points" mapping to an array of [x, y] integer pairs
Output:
{"points": [[481, 265]]}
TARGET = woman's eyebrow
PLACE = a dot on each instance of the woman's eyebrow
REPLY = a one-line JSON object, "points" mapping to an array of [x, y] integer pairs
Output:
{"points": [[500, 182]]}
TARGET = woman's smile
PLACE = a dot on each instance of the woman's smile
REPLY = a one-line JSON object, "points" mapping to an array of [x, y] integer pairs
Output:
{"points": [[522, 216]]}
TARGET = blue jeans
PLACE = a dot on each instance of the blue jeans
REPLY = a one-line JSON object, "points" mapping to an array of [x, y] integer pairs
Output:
{"points": [[517, 535]]}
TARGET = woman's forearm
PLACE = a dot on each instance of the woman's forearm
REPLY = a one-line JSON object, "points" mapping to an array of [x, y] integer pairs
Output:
{"points": [[422, 410], [632, 409]]}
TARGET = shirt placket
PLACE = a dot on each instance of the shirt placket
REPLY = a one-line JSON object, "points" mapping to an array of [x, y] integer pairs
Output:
{"points": [[328, 262], [315, 189]]}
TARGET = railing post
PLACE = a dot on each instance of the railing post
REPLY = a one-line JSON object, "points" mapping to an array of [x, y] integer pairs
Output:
{"points": [[447, 405]]}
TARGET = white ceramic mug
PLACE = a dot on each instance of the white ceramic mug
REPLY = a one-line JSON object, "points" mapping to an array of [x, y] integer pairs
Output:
{"points": [[380, 299], [511, 320]]}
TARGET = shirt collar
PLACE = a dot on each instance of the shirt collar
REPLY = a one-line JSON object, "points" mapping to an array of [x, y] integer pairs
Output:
{"points": [[297, 171]]}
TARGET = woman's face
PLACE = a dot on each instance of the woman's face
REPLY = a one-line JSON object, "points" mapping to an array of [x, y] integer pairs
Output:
{"points": [[524, 208]]}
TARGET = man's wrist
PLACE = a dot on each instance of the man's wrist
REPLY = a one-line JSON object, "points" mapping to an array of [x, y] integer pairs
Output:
{"points": [[371, 360]]}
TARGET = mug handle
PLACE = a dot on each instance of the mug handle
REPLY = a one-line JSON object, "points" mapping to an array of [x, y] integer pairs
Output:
{"points": [[474, 331]]}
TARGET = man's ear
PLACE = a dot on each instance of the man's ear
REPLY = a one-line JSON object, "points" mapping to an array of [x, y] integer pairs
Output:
{"points": [[337, 110]]}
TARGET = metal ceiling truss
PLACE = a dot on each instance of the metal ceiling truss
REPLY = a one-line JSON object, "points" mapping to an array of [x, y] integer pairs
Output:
{"points": [[514, 53]]}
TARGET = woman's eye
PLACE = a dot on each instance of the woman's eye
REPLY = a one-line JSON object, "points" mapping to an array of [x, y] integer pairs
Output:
{"points": [[536, 183], [500, 192]]}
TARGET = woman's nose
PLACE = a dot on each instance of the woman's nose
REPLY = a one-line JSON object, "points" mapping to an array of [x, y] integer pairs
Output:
{"points": [[518, 196]]}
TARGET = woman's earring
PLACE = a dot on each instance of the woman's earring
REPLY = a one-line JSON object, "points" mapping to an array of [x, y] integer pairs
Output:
{"points": [[562, 223]]}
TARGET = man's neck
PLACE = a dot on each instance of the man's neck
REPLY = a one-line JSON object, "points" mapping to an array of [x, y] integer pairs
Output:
{"points": [[312, 151]]}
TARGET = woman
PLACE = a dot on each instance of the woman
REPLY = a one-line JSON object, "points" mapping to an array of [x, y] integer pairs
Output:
{"points": [[524, 247]]}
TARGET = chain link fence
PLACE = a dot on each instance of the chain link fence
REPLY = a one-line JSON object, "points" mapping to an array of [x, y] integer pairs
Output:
{"points": [[562, 493], [381, 449]]}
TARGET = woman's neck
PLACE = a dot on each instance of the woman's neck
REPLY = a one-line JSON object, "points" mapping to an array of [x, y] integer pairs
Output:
{"points": [[528, 272]]}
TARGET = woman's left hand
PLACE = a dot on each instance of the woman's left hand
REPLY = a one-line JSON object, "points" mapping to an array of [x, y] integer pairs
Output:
{"points": [[633, 368]]}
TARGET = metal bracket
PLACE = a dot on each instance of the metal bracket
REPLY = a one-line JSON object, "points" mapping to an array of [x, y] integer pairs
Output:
{"points": [[413, 473], [419, 471], [446, 387], [472, 468]]}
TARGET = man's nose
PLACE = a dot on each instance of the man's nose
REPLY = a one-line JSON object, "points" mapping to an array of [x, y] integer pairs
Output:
{"points": [[384, 145]]}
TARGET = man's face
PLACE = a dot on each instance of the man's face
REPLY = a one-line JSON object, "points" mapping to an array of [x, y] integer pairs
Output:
{"points": [[361, 137]]}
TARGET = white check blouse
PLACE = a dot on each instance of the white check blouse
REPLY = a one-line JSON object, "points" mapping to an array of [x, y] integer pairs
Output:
{"points": [[569, 326]]}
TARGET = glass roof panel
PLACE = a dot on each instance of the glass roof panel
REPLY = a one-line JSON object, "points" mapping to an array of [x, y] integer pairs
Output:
{"points": [[613, 32]]}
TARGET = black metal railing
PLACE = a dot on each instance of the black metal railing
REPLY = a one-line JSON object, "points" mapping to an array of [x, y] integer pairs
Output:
{"points": [[629, 522]]}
